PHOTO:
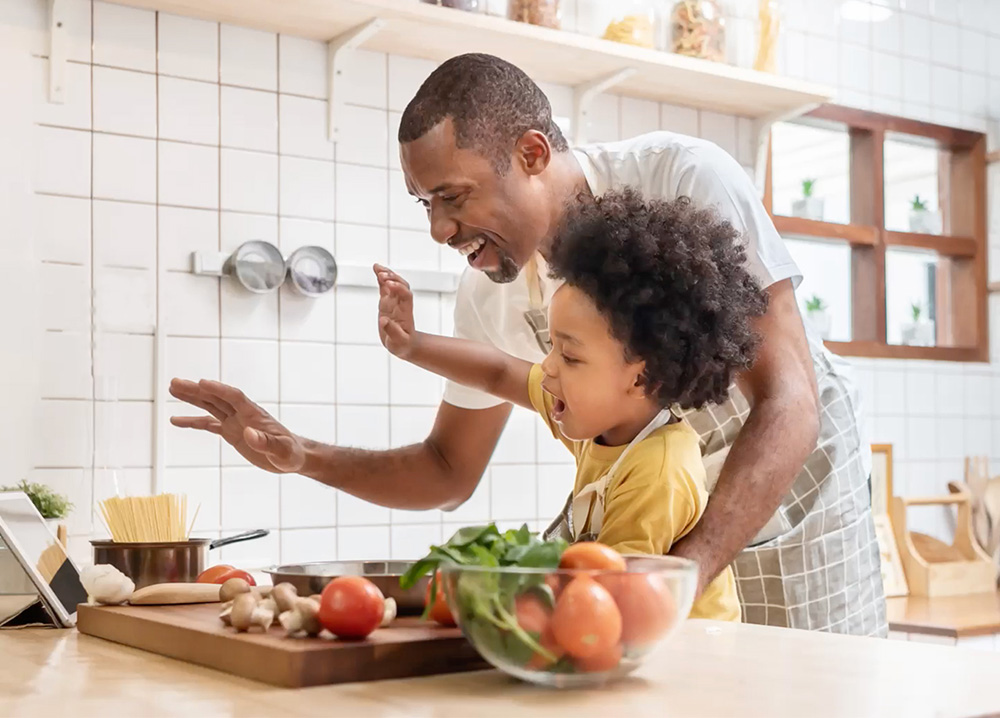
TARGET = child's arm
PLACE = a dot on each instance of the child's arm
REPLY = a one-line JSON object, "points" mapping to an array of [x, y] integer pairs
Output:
{"points": [[470, 363]]}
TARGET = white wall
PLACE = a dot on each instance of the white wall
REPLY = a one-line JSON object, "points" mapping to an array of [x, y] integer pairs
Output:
{"points": [[181, 135]]}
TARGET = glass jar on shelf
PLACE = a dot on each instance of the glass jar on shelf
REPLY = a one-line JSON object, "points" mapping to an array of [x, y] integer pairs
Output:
{"points": [[696, 28], [535, 12], [632, 22], [466, 5]]}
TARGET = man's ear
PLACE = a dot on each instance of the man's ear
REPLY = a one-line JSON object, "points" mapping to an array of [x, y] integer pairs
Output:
{"points": [[533, 152]]}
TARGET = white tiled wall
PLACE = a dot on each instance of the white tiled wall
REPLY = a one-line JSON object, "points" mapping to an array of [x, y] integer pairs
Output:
{"points": [[181, 135]]}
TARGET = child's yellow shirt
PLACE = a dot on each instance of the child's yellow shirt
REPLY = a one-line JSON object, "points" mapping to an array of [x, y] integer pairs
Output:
{"points": [[656, 496]]}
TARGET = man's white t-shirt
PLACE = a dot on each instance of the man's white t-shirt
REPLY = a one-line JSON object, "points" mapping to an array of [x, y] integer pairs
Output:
{"points": [[662, 165]]}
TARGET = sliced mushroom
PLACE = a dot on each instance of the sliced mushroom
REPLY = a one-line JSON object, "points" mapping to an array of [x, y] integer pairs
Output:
{"points": [[233, 588], [284, 595]]}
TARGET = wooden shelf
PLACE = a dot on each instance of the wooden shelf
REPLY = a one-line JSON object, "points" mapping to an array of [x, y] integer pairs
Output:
{"points": [[800, 226], [954, 616], [877, 350], [436, 33], [942, 244]]}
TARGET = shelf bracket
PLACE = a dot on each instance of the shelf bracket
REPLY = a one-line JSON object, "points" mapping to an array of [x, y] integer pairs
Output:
{"points": [[583, 97], [339, 52], [58, 39], [762, 133]]}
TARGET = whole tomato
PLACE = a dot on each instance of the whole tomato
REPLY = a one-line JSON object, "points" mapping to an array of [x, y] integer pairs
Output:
{"points": [[647, 606], [586, 621], [548, 641], [440, 613], [213, 572], [351, 607], [531, 613], [592, 555], [604, 661]]}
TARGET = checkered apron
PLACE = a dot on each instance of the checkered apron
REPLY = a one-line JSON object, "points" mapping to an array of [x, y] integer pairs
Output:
{"points": [[815, 565]]}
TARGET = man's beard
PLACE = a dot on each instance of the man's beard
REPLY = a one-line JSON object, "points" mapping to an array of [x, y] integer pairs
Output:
{"points": [[508, 270]]}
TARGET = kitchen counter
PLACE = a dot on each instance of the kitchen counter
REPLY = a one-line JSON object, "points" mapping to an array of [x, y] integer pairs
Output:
{"points": [[709, 669]]}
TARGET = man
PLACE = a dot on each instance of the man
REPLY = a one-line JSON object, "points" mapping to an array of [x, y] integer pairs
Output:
{"points": [[480, 151]]}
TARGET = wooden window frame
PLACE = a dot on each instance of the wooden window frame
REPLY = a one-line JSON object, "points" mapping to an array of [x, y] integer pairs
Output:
{"points": [[961, 311]]}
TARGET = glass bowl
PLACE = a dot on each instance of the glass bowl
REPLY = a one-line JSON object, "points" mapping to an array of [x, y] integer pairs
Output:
{"points": [[570, 627]]}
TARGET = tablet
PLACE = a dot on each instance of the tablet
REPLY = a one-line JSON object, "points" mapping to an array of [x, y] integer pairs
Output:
{"points": [[42, 557]]}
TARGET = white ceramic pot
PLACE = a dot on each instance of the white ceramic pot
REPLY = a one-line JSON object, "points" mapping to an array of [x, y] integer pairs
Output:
{"points": [[925, 222], [808, 207], [820, 321], [918, 334]]}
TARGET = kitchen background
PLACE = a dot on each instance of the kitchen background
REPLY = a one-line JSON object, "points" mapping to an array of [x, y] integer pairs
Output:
{"points": [[179, 135]]}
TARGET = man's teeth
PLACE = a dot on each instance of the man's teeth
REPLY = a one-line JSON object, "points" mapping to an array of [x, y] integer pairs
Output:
{"points": [[471, 247]]}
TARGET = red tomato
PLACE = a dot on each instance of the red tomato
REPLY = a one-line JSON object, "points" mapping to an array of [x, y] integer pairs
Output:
{"points": [[538, 662], [210, 574], [531, 613], [236, 573], [586, 621], [592, 555], [604, 661], [648, 608], [555, 582], [351, 607], [440, 612]]}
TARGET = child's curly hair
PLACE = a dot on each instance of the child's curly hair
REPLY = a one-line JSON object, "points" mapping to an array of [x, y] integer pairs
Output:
{"points": [[671, 280]]}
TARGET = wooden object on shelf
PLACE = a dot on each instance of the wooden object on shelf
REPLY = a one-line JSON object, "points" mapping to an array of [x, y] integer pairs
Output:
{"points": [[893, 575], [976, 614], [985, 493], [61, 534], [934, 568]]}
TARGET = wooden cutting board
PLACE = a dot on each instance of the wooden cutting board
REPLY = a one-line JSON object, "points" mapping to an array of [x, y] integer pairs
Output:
{"points": [[409, 647]]}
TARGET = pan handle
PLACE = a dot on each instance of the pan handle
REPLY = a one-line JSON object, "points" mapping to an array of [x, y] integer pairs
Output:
{"points": [[245, 536]]}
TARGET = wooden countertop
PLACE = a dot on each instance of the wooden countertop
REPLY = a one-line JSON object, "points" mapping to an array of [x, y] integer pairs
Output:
{"points": [[956, 616], [709, 669]]}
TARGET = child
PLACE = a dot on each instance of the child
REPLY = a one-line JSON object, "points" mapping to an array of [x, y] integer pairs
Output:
{"points": [[654, 311]]}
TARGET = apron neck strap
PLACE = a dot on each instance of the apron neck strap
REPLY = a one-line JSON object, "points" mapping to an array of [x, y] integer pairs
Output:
{"points": [[534, 285]]}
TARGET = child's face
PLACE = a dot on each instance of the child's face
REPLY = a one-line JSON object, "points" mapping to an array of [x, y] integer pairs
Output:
{"points": [[596, 389]]}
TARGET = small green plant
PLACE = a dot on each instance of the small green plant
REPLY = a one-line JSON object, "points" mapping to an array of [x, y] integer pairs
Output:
{"points": [[917, 204], [50, 504], [916, 310], [815, 303], [807, 187]]}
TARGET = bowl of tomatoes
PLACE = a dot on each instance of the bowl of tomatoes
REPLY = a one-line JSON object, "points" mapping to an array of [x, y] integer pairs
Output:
{"points": [[594, 617]]}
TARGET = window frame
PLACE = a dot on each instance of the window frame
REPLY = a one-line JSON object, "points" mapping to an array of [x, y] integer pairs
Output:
{"points": [[961, 275]]}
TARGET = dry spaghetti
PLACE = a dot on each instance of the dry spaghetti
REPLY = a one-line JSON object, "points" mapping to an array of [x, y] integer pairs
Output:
{"points": [[157, 518]]}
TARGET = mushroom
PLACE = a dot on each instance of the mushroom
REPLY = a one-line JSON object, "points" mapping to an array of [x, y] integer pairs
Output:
{"points": [[284, 595], [303, 616], [268, 604], [263, 591], [246, 613], [389, 612], [233, 588]]}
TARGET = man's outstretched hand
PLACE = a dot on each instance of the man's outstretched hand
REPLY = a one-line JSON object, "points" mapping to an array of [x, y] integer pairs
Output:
{"points": [[257, 435]]}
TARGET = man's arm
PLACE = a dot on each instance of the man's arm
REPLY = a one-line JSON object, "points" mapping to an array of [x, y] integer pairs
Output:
{"points": [[779, 434]]}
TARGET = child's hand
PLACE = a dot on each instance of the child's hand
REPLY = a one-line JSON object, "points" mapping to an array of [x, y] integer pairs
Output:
{"points": [[395, 312]]}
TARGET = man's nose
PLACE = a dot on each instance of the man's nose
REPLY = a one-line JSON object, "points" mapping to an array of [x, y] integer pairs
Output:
{"points": [[443, 227]]}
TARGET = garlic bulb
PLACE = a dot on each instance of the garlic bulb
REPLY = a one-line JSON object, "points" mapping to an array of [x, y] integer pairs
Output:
{"points": [[106, 584]]}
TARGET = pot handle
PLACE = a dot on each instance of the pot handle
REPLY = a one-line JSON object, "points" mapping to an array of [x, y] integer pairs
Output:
{"points": [[245, 536]]}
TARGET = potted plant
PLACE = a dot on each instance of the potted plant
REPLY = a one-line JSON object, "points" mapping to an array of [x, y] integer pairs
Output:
{"points": [[809, 206], [817, 315], [52, 505], [923, 220], [919, 332]]}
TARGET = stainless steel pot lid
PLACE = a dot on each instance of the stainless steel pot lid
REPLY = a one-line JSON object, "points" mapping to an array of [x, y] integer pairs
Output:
{"points": [[257, 265], [312, 270]]}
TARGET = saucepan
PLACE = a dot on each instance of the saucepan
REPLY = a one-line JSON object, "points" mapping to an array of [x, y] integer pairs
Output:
{"points": [[164, 562], [310, 578]]}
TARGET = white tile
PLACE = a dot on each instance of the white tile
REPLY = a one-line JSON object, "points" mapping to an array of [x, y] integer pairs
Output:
{"points": [[921, 393], [362, 244], [922, 437], [946, 10], [62, 162], [945, 48], [975, 14], [309, 373], [69, 308], [74, 110], [855, 32], [62, 229], [406, 74], [362, 375], [308, 188], [973, 46], [856, 68], [129, 359], [202, 487], [993, 55], [513, 492], [308, 545], [412, 250], [555, 483], [978, 435], [190, 447], [854, 98], [451, 261], [412, 386], [302, 66], [639, 116], [950, 394], [887, 35], [602, 123], [252, 366], [720, 129], [124, 234], [192, 358], [249, 119], [887, 75], [822, 61], [916, 81], [123, 433], [125, 299], [978, 643], [183, 231], [517, 443], [189, 175], [792, 55], [302, 128], [404, 211], [951, 440], [946, 88], [76, 486], [361, 194], [237, 228], [394, 119], [357, 315], [362, 543], [252, 555], [363, 136], [124, 37], [366, 80], [249, 181], [62, 437], [307, 318], [365, 427], [978, 394], [973, 94], [352, 511], [413, 542], [427, 311], [891, 430], [124, 168], [64, 369], [890, 393], [246, 315], [250, 498], [188, 48], [192, 304], [314, 421], [124, 102], [189, 111], [550, 450], [410, 425], [822, 18], [740, 45], [917, 111], [248, 58], [476, 508], [296, 233], [916, 36]]}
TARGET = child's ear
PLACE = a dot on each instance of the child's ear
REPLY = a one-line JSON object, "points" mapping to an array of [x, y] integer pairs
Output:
{"points": [[639, 382]]}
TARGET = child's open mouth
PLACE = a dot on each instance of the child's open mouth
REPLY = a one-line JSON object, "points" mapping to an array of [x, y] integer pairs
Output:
{"points": [[558, 408]]}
